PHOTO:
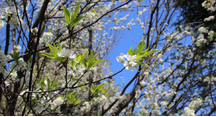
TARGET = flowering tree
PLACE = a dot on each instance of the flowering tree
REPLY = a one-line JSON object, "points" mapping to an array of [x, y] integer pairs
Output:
{"points": [[53, 61]]}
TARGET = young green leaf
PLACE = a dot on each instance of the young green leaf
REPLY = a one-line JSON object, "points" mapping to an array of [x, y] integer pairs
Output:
{"points": [[50, 55], [76, 20], [48, 82], [140, 46], [53, 49], [54, 84], [77, 10], [15, 56], [59, 45], [98, 61], [130, 52], [150, 52], [66, 14]]}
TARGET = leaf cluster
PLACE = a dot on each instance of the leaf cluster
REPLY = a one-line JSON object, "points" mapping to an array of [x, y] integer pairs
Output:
{"points": [[71, 18], [140, 52]]}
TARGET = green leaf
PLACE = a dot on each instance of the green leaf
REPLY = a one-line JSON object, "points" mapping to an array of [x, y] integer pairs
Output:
{"points": [[98, 61], [59, 45], [76, 101], [90, 59], [50, 55], [130, 52], [78, 58], [77, 10], [72, 17], [140, 55], [42, 84], [144, 64], [76, 20], [54, 84], [151, 52], [94, 11], [34, 71], [53, 49], [48, 82], [92, 91], [135, 51], [71, 97], [66, 14], [15, 56], [140, 46]]}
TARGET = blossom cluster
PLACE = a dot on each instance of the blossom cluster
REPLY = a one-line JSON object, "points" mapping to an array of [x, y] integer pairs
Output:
{"points": [[130, 63]]}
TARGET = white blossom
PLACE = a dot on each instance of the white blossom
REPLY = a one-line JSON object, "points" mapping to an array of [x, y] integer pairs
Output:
{"points": [[202, 30], [164, 103], [66, 53], [189, 112], [39, 107], [209, 18], [129, 64], [142, 83], [121, 58], [17, 48], [58, 101]]}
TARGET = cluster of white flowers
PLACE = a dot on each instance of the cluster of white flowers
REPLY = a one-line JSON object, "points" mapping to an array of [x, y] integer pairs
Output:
{"points": [[77, 70], [141, 12], [140, 23], [209, 5], [211, 79], [195, 103], [202, 30], [86, 107], [121, 97], [189, 112], [115, 28], [201, 40], [20, 66], [130, 24], [47, 37], [58, 101], [142, 83], [130, 63], [164, 103], [90, 15], [125, 7], [211, 33], [12, 76], [39, 107], [100, 100], [3, 61], [17, 48], [15, 22], [122, 1], [67, 53], [209, 18]]}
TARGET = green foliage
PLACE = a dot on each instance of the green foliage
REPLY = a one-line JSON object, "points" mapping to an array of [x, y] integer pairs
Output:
{"points": [[54, 53], [140, 52], [43, 85], [15, 56], [96, 89], [54, 84], [72, 98], [71, 18], [92, 60]]}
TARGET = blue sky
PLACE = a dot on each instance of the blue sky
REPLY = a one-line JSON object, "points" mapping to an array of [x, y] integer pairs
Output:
{"points": [[130, 38]]}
